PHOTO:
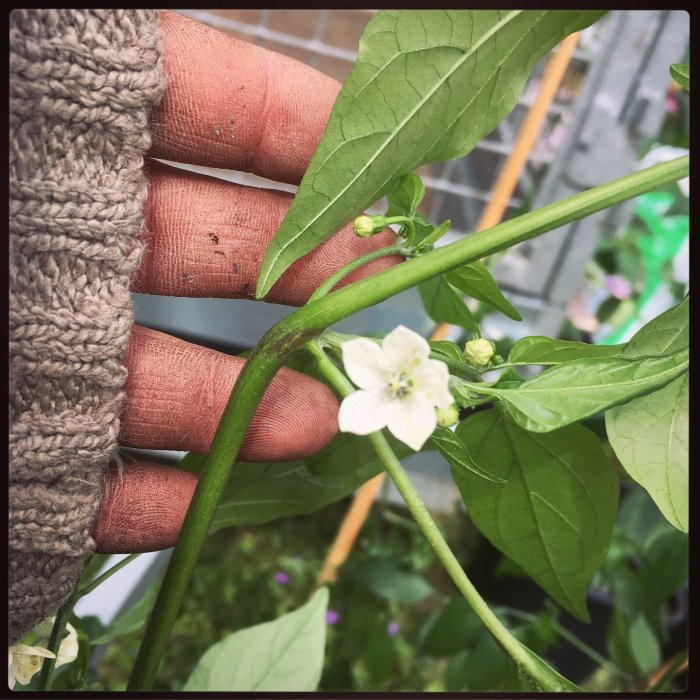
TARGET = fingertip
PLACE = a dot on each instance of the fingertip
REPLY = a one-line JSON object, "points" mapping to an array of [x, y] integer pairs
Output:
{"points": [[143, 507]]}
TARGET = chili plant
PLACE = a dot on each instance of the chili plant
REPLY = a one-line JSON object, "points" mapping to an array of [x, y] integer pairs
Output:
{"points": [[427, 86]]}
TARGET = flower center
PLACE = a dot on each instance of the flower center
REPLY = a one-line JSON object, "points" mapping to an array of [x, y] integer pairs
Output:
{"points": [[400, 385]]}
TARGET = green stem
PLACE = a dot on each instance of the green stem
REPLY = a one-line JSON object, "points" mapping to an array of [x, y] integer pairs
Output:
{"points": [[408, 223], [299, 327], [569, 637], [354, 297], [432, 533], [338, 275], [250, 387], [57, 632], [103, 577]]}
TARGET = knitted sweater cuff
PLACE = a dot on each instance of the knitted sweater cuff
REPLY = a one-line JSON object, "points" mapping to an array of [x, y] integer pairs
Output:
{"points": [[82, 83]]}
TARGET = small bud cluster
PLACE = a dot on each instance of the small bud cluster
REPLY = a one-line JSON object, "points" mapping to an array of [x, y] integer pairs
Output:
{"points": [[479, 352]]}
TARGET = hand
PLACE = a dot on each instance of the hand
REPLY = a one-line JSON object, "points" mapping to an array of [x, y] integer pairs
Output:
{"points": [[232, 105]]}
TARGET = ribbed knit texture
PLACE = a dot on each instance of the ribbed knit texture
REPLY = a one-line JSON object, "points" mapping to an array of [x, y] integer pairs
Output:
{"points": [[82, 84]]}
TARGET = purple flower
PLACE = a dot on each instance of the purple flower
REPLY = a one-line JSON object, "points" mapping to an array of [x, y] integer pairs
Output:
{"points": [[618, 286], [393, 629], [332, 616], [282, 578]]}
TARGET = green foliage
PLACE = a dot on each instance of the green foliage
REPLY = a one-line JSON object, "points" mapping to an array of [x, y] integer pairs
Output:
{"points": [[574, 391], [444, 305], [258, 493], [131, 620], [476, 281], [382, 577], [447, 350], [650, 438], [680, 72], [403, 199], [555, 513], [540, 350], [456, 453], [426, 86], [283, 655]]}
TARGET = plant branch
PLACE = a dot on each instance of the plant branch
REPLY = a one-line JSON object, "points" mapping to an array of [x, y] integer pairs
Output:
{"points": [[330, 282], [55, 639], [88, 588], [432, 533]]}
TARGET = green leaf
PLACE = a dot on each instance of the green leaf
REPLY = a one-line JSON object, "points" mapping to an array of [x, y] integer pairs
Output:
{"points": [[650, 438], [283, 655], [443, 304], [573, 391], [427, 85], [540, 350], [405, 196], [476, 281], [555, 513], [447, 349], [386, 580], [259, 493], [643, 645], [131, 620], [665, 335], [456, 453], [680, 72], [454, 629]]}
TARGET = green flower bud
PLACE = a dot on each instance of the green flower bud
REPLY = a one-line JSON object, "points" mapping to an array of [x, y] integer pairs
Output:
{"points": [[447, 417], [479, 352], [366, 226]]}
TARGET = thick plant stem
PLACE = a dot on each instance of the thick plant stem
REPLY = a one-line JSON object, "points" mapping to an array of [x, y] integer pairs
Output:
{"points": [[239, 412], [431, 532], [338, 275], [299, 327], [354, 297], [55, 639]]}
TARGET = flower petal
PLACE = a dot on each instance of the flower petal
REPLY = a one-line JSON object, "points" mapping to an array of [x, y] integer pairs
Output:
{"points": [[364, 412], [432, 379], [25, 650], [412, 420], [68, 650], [365, 363], [404, 349]]}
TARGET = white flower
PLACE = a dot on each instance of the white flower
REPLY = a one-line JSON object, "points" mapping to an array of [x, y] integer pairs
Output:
{"points": [[399, 387], [68, 649], [24, 662]]}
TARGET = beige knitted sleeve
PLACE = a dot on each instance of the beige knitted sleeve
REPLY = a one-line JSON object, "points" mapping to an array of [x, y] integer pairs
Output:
{"points": [[82, 83]]}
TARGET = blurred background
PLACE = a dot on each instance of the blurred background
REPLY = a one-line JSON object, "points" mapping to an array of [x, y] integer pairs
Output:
{"points": [[598, 280]]}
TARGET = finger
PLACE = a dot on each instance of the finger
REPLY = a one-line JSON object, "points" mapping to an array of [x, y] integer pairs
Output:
{"points": [[207, 238], [177, 391], [143, 507], [229, 104]]}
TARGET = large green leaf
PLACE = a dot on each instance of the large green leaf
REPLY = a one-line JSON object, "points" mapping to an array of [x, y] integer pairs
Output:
{"points": [[476, 281], [650, 438], [427, 85], [444, 305], [259, 493], [283, 655], [665, 335], [457, 454], [555, 514], [541, 350], [576, 390]]}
